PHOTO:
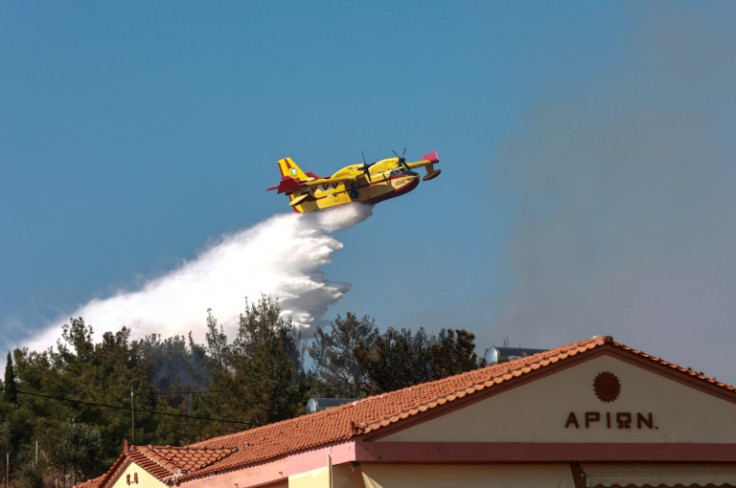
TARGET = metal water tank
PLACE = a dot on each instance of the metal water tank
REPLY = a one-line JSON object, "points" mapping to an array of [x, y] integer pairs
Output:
{"points": [[495, 354]]}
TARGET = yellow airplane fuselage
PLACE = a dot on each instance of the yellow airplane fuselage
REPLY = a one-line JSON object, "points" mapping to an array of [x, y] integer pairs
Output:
{"points": [[382, 186], [361, 183]]}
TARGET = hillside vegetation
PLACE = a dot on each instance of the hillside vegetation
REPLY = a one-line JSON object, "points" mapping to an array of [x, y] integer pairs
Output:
{"points": [[65, 412]]}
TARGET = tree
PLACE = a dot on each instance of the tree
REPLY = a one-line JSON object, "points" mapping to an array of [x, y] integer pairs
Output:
{"points": [[269, 373], [401, 358], [172, 369], [78, 335], [173, 365], [453, 353], [397, 358], [28, 475], [333, 353], [77, 450], [217, 347], [263, 380], [10, 393]]}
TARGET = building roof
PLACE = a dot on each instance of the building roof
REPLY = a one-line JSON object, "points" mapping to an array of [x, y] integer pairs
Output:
{"points": [[93, 483], [169, 463], [371, 416], [166, 463]]}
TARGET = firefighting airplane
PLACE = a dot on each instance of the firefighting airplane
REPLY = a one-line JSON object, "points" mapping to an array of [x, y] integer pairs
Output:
{"points": [[364, 183]]}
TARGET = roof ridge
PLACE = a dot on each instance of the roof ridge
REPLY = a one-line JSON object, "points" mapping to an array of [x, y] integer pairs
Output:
{"points": [[513, 368], [681, 369], [336, 410], [503, 369]]}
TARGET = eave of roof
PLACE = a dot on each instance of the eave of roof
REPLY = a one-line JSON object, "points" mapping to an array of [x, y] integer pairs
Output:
{"points": [[91, 483], [165, 463]]}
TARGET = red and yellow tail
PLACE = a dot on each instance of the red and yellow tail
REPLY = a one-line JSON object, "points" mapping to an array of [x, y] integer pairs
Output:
{"points": [[292, 178], [289, 168], [293, 183]]}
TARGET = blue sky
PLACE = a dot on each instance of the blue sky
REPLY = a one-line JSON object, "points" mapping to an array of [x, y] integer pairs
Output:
{"points": [[586, 150]]}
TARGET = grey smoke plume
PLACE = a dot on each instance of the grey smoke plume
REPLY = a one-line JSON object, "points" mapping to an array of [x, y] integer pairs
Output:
{"points": [[626, 220], [281, 257]]}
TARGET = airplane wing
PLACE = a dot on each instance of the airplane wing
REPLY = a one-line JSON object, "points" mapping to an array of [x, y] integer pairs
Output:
{"points": [[290, 185], [428, 161], [329, 181]]}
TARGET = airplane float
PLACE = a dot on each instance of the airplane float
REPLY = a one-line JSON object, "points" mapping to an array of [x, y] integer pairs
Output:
{"points": [[364, 183]]}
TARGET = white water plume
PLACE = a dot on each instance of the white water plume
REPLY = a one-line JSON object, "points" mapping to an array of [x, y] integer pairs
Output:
{"points": [[281, 257]]}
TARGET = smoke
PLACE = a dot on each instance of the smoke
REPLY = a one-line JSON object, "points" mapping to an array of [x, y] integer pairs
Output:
{"points": [[281, 257], [625, 205]]}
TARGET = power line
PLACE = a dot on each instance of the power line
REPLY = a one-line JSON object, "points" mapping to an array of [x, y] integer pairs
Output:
{"points": [[116, 407]]}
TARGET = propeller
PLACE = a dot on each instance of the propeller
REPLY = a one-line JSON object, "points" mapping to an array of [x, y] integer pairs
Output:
{"points": [[365, 168], [402, 160]]}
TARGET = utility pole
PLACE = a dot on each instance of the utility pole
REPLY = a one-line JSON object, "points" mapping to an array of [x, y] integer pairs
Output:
{"points": [[132, 415]]}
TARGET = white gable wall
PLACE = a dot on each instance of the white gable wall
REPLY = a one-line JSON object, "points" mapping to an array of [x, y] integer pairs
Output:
{"points": [[563, 407], [135, 476]]}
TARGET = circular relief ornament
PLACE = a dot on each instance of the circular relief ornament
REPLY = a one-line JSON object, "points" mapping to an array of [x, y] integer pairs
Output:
{"points": [[606, 386]]}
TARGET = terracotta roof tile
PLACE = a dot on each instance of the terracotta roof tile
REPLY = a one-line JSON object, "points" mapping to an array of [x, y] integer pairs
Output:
{"points": [[371, 414], [169, 463], [166, 463], [93, 483]]}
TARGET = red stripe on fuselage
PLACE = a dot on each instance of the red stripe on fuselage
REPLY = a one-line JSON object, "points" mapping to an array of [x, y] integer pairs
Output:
{"points": [[396, 193]]}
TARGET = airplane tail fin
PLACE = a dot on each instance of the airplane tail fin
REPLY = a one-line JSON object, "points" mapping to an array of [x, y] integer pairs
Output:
{"points": [[289, 168], [291, 174], [292, 177]]}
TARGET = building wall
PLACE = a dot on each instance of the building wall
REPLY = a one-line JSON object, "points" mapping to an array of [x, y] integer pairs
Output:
{"points": [[346, 476], [317, 478], [468, 476], [136, 477], [429, 476], [271, 475], [343, 476]]}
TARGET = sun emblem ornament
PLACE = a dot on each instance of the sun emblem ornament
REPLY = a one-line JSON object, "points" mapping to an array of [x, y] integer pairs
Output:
{"points": [[606, 386]]}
